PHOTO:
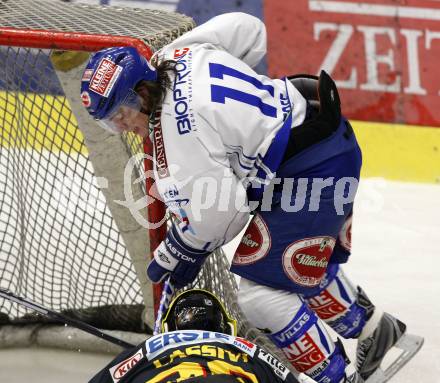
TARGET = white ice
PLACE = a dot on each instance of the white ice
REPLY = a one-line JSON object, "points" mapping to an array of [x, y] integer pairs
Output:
{"points": [[395, 258]]}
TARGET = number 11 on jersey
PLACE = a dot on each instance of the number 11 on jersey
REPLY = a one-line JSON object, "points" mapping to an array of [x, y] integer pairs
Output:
{"points": [[220, 93]]}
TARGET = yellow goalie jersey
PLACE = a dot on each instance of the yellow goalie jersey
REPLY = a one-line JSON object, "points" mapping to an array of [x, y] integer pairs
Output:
{"points": [[195, 356]]}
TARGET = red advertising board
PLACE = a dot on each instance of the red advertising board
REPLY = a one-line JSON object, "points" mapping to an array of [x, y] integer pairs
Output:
{"points": [[383, 54]]}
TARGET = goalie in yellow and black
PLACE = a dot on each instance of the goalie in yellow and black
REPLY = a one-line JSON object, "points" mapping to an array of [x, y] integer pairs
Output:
{"points": [[198, 344]]}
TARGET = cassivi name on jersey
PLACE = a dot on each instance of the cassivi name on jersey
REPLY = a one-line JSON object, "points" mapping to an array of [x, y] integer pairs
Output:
{"points": [[158, 344], [161, 343], [164, 342]]}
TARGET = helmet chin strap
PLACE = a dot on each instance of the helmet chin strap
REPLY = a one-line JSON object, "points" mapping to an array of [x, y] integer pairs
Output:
{"points": [[106, 127], [232, 328], [165, 327]]}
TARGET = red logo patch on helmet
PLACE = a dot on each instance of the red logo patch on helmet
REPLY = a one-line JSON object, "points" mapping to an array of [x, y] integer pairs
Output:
{"points": [[345, 234], [178, 53], [104, 78], [85, 98], [305, 261], [87, 75], [255, 243]]}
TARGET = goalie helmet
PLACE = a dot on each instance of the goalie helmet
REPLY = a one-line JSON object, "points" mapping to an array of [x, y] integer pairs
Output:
{"points": [[109, 80], [198, 309]]}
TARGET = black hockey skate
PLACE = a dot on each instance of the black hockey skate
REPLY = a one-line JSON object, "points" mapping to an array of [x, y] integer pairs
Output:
{"points": [[371, 351], [353, 377]]}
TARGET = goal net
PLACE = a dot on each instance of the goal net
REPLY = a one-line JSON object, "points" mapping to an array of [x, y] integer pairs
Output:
{"points": [[68, 237]]}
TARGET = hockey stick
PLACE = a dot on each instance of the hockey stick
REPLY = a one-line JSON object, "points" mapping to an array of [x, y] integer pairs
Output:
{"points": [[6, 294], [165, 300]]}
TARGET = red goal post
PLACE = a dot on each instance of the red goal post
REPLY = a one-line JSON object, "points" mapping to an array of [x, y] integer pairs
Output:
{"points": [[47, 39]]}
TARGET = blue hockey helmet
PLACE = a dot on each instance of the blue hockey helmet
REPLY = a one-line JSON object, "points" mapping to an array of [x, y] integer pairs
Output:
{"points": [[109, 80]]}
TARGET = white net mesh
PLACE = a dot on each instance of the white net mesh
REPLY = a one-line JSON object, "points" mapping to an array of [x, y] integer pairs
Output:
{"points": [[60, 245]]}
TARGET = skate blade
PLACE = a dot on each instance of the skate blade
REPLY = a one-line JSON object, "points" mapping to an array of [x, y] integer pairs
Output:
{"points": [[409, 345]]}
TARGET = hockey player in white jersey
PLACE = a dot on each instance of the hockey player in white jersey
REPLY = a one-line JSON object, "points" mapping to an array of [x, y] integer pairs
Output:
{"points": [[230, 143]]}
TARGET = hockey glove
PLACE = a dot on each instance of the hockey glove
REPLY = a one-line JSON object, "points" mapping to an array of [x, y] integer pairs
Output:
{"points": [[175, 258]]}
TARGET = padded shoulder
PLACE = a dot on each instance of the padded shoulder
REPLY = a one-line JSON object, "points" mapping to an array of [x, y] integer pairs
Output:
{"points": [[321, 94], [323, 112], [307, 85]]}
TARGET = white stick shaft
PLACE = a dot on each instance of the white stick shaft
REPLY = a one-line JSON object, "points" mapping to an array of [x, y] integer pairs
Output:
{"points": [[165, 300]]}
